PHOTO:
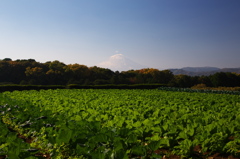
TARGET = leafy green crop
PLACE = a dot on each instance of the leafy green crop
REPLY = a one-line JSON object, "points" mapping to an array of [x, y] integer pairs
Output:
{"points": [[118, 124]]}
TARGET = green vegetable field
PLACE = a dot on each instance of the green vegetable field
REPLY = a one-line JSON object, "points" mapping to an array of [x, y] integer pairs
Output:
{"points": [[118, 124]]}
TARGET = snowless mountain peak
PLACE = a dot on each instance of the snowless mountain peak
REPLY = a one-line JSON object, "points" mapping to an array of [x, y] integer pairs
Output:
{"points": [[119, 62]]}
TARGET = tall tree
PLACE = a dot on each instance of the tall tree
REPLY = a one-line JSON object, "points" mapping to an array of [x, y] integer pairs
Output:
{"points": [[35, 75], [55, 74], [77, 74]]}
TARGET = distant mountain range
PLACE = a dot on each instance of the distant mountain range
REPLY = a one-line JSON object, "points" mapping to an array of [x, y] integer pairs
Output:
{"points": [[200, 71], [119, 62]]}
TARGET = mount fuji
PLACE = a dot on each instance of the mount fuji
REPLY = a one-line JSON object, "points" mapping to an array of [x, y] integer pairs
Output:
{"points": [[119, 62]]}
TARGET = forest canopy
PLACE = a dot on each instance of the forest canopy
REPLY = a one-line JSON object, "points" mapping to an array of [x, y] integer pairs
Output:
{"points": [[31, 72]]}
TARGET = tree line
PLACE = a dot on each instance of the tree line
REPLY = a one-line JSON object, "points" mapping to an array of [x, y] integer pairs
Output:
{"points": [[30, 72]]}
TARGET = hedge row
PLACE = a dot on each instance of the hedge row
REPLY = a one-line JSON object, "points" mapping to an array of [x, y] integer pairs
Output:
{"points": [[28, 87], [74, 86], [175, 89]]}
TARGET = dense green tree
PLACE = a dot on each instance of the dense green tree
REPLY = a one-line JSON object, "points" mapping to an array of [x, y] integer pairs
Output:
{"points": [[181, 81], [226, 79], [35, 75], [7, 59], [77, 74], [205, 80], [4, 72], [55, 74], [97, 73]]}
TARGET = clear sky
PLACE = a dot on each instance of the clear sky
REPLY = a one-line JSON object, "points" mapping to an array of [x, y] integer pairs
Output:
{"points": [[154, 33]]}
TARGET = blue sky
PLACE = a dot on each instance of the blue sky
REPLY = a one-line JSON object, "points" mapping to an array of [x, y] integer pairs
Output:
{"points": [[155, 33]]}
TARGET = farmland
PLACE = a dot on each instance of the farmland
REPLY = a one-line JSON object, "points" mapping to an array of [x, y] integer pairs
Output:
{"points": [[118, 124]]}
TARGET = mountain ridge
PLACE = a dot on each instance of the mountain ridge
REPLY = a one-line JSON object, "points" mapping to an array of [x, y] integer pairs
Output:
{"points": [[202, 71], [119, 62]]}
